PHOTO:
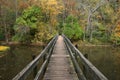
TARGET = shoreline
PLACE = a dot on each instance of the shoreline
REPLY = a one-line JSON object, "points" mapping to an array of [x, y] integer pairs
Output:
{"points": [[19, 43]]}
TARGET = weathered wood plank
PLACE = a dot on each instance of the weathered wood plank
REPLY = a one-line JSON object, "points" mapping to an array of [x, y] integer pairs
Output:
{"points": [[60, 67]]}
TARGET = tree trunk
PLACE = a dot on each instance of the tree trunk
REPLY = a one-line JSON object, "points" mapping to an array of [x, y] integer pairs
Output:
{"points": [[89, 26], [84, 35], [0, 15], [6, 33], [91, 34], [88, 22], [5, 25], [16, 11]]}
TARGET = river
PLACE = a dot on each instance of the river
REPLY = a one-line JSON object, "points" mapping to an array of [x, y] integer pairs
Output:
{"points": [[16, 59], [105, 58]]}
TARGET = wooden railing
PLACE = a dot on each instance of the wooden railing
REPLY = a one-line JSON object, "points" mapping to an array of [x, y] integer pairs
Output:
{"points": [[89, 71], [45, 55]]}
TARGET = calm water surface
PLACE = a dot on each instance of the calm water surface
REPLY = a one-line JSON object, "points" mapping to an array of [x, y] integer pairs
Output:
{"points": [[106, 59], [15, 60]]}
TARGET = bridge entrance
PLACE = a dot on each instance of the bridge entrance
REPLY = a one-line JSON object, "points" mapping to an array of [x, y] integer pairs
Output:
{"points": [[60, 66], [61, 62]]}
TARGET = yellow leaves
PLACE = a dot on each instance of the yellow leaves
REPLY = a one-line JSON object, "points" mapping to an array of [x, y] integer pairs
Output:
{"points": [[51, 6], [109, 11], [53, 22], [3, 48], [117, 34], [43, 33], [117, 30], [52, 2]]}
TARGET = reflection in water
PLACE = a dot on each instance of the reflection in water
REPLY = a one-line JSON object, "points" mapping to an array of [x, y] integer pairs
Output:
{"points": [[106, 59], [15, 60]]}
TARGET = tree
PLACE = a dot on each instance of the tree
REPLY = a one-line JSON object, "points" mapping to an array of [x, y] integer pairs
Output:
{"points": [[72, 29], [7, 18], [91, 7], [8, 13], [115, 32], [51, 9], [26, 23]]}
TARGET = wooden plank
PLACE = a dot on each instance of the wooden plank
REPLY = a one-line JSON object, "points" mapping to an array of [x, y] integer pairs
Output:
{"points": [[60, 67]]}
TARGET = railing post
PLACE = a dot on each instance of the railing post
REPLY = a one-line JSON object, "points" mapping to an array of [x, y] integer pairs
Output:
{"points": [[44, 58], [84, 69], [76, 53], [35, 69]]}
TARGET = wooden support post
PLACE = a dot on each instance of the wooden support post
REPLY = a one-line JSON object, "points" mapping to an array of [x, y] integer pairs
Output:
{"points": [[44, 58], [76, 53], [84, 69], [76, 46], [86, 56], [35, 69], [43, 47]]}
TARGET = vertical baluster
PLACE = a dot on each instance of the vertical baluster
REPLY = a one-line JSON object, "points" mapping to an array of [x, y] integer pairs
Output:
{"points": [[84, 68], [35, 69]]}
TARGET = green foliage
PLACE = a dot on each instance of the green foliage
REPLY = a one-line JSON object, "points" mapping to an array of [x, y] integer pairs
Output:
{"points": [[60, 27], [72, 29], [68, 31], [115, 37], [26, 23], [100, 32], [38, 21], [2, 36], [115, 40]]}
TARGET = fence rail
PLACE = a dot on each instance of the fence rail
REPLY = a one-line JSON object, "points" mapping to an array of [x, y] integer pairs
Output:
{"points": [[29, 68], [88, 66], [75, 54]]}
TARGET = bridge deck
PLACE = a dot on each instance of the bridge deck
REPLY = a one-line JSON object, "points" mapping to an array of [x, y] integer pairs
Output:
{"points": [[60, 66]]}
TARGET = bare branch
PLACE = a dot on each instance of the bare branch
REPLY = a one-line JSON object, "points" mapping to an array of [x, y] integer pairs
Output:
{"points": [[99, 5]]}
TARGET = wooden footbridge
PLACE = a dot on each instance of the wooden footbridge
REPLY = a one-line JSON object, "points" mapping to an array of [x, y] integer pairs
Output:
{"points": [[61, 61]]}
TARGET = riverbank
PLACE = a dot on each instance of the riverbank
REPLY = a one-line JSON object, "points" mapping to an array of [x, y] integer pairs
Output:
{"points": [[79, 43], [19, 43], [86, 43]]}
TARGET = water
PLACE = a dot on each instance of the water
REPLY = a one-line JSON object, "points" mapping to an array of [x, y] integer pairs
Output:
{"points": [[15, 60], [105, 58]]}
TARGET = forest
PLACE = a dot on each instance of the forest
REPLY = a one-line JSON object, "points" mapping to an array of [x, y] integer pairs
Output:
{"points": [[27, 26], [34, 21]]}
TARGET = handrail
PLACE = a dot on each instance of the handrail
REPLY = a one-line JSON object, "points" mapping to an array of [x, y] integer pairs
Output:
{"points": [[29, 68], [76, 65], [44, 66], [95, 73]]}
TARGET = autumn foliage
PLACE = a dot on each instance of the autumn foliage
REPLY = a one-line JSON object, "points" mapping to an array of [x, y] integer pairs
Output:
{"points": [[30, 20]]}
